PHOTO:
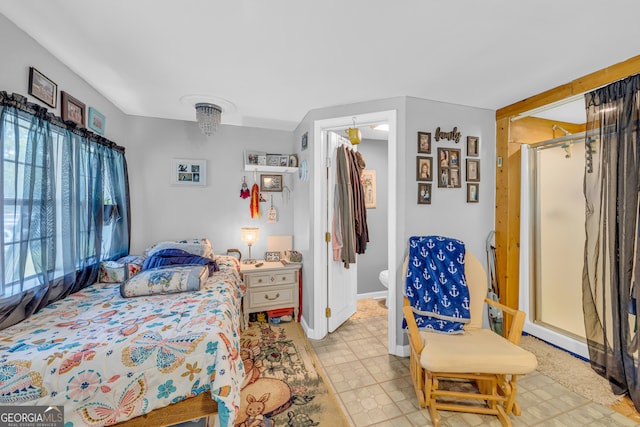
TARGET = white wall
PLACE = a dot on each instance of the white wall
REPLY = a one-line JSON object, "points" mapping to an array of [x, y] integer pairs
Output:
{"points": [[162, 210]]}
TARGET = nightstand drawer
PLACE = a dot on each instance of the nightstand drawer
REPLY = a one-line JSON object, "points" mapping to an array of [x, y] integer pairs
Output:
{"points": [[254, 280], [273, 296]]}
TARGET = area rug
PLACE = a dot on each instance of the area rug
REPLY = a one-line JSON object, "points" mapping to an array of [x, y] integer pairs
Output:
{"points": [[284, 385], [570, 371]]}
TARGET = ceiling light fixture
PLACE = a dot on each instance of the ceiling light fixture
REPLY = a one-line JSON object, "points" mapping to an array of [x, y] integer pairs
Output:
{"points": [[208, 117]]}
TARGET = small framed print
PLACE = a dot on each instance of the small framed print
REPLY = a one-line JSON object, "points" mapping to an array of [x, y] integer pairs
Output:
{"points": [[97, 121], [293, 161], [72, 109], [472, 193], [189, 172], [284, 161], [424, 166], [305, 141], [270, 183], [473, 170], [253, 157], [424, 142], [473, 149], [42, 88], [272, 256], [424, 194], [273, 159]]}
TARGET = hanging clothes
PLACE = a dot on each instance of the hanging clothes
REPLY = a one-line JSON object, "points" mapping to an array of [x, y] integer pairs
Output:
{"points": [[350, 230]]}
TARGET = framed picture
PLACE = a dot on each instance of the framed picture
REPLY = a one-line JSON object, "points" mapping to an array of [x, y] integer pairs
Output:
{"points": [[449, 168], [253, 157], [72, 109], [270, 183], [424, 194], [97, 121], [272, 256], [189, 172], [42, 88], [424, 142], [305, 141], [293, 161], [473, 170], [472, 193], [273, 159], [424, 166], [284, 161], [369, 187], [473, 149]]}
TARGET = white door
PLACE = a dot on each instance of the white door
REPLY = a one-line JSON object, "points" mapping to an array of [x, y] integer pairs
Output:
{"points": [[342, 286]]}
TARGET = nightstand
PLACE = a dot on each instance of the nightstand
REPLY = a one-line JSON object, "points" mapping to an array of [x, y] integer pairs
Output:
{"points": [[270, 286]]}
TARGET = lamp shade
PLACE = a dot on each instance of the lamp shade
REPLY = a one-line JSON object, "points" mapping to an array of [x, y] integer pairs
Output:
{"points": [[250, 235]]}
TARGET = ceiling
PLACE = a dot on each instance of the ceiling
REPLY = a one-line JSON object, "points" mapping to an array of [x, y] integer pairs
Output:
{"points": [[270, 62]]}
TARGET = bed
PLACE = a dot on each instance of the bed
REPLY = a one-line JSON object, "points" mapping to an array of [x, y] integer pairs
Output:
{"points": [[109, 359]]}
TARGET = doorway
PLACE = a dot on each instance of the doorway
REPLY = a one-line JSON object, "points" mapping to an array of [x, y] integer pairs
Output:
{"points": [[321, 226]]}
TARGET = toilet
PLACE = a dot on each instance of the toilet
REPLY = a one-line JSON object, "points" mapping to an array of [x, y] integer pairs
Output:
{"points": [[384, 279]]}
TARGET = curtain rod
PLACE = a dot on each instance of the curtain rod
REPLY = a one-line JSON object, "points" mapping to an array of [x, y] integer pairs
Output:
{"points": [[20, 102]]}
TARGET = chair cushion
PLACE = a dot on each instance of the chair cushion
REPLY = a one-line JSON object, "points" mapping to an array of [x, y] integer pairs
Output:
{"points": [[475, 351]]}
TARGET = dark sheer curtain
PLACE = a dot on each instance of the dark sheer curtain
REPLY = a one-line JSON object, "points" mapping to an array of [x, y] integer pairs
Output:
{"points": [[611, 265], [57, 183]]}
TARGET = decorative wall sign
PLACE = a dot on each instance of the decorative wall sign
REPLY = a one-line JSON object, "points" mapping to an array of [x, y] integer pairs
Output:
{"points": [[454, 135], [424, 194], [42, 88], [449, 168], [189, 172], [424, 142]]}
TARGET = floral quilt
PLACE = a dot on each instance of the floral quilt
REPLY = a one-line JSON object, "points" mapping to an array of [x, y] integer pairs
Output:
{"points": [[107, 359]]}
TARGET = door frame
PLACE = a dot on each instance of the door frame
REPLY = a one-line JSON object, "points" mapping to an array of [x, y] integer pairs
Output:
{"points": [[319, 192]]}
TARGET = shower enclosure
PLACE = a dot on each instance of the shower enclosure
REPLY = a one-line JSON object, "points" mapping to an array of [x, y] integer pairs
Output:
{"points": [[552, 229]]}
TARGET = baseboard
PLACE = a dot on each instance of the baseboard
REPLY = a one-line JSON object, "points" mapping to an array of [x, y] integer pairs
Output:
{"points": [[374, 295], [309, 333], [402, 350]]}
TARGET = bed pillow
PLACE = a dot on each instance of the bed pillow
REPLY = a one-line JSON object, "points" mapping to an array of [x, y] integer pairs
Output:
{"points": [[165, 280], [201, 247], [120, 270]]}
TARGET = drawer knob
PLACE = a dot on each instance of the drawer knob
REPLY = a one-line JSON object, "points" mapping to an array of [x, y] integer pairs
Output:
{"points": [[272, 278], [271, 299], [259, 280], [284, 278]]}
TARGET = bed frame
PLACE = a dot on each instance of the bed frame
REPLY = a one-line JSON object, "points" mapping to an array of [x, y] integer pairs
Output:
{"points": [[189, 409]]}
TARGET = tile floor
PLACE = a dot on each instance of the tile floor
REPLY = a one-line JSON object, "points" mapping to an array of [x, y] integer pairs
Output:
{"points": [[375, 389]]}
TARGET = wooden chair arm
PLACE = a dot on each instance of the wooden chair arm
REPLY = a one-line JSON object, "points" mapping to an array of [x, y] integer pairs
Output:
{"points": [[517, 320], [414, 334]]}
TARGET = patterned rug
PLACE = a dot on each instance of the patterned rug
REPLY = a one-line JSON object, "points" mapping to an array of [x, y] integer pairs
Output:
{"points": [[284, 385]]}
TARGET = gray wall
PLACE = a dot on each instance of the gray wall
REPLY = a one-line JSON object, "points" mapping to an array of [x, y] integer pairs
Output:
{"points": [[374, 260], [160, 210]]}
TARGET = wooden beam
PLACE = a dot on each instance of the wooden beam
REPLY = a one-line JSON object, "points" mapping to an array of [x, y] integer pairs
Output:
{"points": [[576, 87], [509, 137], [189, 409]]}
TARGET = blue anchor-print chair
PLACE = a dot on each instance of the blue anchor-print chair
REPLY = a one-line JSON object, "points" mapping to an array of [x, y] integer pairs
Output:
{"points": [[456, 371]]}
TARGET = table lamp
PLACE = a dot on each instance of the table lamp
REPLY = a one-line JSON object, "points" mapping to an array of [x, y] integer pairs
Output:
{"points": [[250, 235]]}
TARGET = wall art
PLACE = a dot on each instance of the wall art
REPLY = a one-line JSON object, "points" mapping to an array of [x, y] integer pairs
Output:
{"points": [[369, 184], [449, 168], [473, 146], [424, 166], [97, 121], [472, 193], [72, 109], [42, 88], [424, 194], [473, 170], [424, 142], [189, 172]]}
